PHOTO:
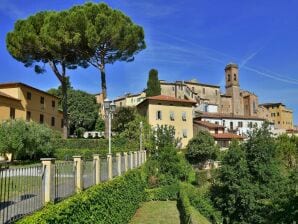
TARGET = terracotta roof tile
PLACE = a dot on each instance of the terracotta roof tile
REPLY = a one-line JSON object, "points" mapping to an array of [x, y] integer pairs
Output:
{"points": [[208, 124], [170, 99], [227, 136]]}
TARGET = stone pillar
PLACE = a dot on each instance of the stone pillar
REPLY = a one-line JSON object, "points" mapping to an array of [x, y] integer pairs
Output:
{"points": [[96, 160], [79, 172], [118, 161], [49, 178], [135, 159], [125, 161], [145, 155], [110, 166], [131, 160]]}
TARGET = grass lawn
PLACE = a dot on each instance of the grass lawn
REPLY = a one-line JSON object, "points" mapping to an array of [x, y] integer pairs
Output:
{"points": [[157, 212], [198, 217]]}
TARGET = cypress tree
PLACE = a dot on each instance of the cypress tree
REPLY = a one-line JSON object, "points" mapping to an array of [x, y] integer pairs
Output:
{"points": [[153, 85]]}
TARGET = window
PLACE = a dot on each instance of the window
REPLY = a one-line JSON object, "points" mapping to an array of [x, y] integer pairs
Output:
{"points": [[29, 95], [183, 116], [41, 100], [62, 123], [12, 113], [240, 124], [229, 77], [203, 90], [216, 122], [28, 116], [216, 92], [278, 122], [235, 77], [277, 114], [231, 125], [193, 89], [120, 104], [216, 130], [158, 115], [184, 133], [172, 118], [53, 121], [223, 122], [41, 119], [250, 124], [53, 103]]}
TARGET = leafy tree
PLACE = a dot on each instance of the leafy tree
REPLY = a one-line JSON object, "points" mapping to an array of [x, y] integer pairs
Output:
{"points": [[153, 85], [100, 124], [201, 148], [286, 150], [162, 136], [27, 140], [51, 38], [82, 108], [122, 116]]}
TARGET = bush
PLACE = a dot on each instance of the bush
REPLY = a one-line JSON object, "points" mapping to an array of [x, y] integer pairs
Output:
{"points": [[164, 193], [111, 202], [27, 140], [184, 207]]}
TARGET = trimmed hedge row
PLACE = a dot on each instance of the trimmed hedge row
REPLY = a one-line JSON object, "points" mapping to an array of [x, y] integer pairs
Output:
{"points": [[111, 202], [184, 207], [168, 192]]}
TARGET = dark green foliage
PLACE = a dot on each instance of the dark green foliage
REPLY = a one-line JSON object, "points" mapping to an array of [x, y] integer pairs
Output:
{"points": [[252, 186], [287, 150], [82, 108], [164, 193], [153, 85], [27, 140], [111, 202], [184, 207], [201, 148], [100, 124], [121, 118]]}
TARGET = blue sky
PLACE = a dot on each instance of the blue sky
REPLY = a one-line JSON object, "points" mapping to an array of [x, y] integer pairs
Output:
{"points": [[185, 39]]}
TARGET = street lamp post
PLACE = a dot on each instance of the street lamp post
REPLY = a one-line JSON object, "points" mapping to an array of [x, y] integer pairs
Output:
{"points": [[141, 132], [110, 108]]}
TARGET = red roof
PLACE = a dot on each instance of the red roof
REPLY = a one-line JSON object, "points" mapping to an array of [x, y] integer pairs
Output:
{"points": [[170, 99], [227, 136], [8, 96], [227, 116], [208, 124]]}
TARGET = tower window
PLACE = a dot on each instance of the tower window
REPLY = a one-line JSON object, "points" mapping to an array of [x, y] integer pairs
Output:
{"points": [[12, 113], [229, 77], [158, 115], [235, 77]]}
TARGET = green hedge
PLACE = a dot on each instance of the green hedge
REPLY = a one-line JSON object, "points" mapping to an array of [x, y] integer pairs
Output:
{"points": [[82, 143], [168, 192], [184, 207], [111, 202]]}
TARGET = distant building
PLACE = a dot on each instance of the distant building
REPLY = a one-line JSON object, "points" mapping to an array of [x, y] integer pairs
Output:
{"points": [[130, 100], [21, 101], [281, 116], [166, 110]]}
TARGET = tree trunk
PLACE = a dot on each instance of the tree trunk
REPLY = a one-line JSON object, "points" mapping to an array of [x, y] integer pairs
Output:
{"points": [[64, 107], [104, 96]]}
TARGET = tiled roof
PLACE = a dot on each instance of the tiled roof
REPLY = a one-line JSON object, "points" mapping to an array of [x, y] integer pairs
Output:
{"points": [[19, 84], [227, 116], [170, 99], [208, 124], [227, 136], [8, 96]]}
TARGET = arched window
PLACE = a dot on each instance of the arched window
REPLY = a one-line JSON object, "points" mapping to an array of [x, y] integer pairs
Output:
{"points": [[229, 77], [235, 77]]}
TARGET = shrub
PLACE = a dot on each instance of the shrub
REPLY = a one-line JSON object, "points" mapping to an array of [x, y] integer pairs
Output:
{"points": [[184, 207], [164, 193], [111, 202], [27, 140], [201, 148]]}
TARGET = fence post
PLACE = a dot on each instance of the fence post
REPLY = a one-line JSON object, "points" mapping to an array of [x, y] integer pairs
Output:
{"points": [[125, 161], [49, 175], [131, 160], [118, 161], [78, 162], [110, 166], [135, 159], [96, 160], [145, 155], [142, 156]]}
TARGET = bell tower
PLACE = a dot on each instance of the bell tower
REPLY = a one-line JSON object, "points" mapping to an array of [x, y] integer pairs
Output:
{"points": [[233, 88]]}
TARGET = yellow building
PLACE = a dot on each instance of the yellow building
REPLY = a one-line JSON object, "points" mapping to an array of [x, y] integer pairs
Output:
{"points": [[20, 101], [166, 110], [281, 116], [130, 100]]}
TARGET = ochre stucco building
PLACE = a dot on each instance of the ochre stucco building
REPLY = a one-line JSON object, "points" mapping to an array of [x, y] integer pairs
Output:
{"points": [[166, 110], [20, 101]]}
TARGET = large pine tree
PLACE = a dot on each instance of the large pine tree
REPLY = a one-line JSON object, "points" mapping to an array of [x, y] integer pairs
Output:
{"points": [[153, 85]]}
